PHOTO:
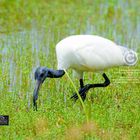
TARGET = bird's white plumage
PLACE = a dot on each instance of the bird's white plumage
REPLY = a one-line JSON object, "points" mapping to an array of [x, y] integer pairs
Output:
{"points": [[88, 53]]}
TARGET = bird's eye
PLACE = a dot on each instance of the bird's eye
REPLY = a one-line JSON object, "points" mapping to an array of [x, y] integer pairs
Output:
{"points": [[41, 75]]}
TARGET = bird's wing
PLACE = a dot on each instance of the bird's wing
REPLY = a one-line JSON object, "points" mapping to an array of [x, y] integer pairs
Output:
{"points": [[93, 57]]}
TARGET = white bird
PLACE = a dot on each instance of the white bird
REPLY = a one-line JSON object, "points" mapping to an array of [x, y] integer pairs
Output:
{"points": [[82, 53]]}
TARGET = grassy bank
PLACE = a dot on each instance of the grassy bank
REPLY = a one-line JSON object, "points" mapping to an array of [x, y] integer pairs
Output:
{"points": [[29, 32]]}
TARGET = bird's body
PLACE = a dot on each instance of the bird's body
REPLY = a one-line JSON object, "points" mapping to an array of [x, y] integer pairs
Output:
{"points": [[85, 53], [88, 53]]}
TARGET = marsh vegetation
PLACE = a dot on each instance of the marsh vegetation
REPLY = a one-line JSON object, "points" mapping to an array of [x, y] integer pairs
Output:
{"points": [[29, 31]]}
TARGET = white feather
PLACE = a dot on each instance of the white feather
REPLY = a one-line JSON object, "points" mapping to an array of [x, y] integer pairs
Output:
{"points": [[89, 53]]}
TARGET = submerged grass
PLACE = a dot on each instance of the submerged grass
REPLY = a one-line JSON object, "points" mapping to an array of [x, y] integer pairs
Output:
{"points": [[29, 31]]}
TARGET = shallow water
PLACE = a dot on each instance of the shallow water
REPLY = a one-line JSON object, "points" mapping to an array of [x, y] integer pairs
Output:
{"points": [[15, 45], [22, 52]]}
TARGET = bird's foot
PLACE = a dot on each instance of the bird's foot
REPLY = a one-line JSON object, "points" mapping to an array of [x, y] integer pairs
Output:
{"points": [[82, 92]]}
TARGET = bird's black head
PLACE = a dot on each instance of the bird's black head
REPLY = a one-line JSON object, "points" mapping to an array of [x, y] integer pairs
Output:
{"points": [[40, 75]]}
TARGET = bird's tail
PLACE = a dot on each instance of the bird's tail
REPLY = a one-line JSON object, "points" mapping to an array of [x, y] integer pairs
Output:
{"points": [[130, 57]]}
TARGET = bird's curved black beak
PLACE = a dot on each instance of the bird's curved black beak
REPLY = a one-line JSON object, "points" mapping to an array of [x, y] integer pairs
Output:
{"points": [[35, 94]]}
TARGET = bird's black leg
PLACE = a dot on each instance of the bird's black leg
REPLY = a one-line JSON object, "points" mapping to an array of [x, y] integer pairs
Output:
{"points": [[81, 83], [105, 84], [83, 94], [84, 89]]}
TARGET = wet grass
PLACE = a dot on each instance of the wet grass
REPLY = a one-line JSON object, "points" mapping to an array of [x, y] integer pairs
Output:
{"points": [[29, 32]]}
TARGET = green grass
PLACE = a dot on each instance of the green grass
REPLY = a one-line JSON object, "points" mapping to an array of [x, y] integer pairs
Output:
{"points": [[29, 31]]}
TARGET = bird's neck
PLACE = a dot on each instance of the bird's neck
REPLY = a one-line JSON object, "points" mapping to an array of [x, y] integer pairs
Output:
{"points": [[55, 73]]}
